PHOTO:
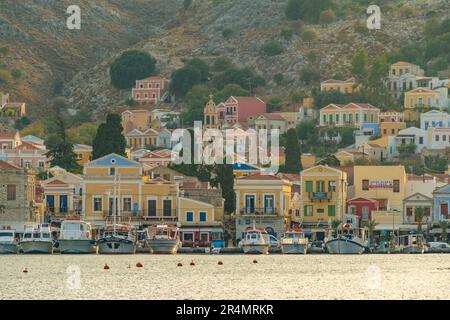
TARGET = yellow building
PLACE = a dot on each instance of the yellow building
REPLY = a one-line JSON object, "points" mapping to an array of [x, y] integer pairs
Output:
{"points": [[116, 185], [405, 68], [347, 86], [421, 98], [386, 185], [62, 195], [391, 128], [263, 200], [323, 198], [291, 119], [83, 153]]}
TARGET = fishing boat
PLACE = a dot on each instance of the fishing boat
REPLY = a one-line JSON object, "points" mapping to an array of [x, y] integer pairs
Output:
{"points": [[163, 238], [8, 242], [294, 241], [412, 243], [76, 237], [117, 239], [37, 239], [347, 240], [255, 241]]}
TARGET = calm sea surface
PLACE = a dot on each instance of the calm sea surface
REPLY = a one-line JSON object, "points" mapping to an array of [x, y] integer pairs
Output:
{"points": [[273, 277]]}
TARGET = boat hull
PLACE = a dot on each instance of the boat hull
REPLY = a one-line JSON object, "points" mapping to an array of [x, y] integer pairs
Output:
{"points": [[163, 246], [77, 247], [255, 248], [413, 249], [9, 248], [344, 246], [116, 247], [295, 248], [37, 247]]}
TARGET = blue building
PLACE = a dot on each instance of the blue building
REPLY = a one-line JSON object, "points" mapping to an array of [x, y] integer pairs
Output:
{"points": [[441, 201]]}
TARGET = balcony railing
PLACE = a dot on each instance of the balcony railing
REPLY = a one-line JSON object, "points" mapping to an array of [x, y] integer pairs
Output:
{"points": [[258, 211], [320, 195], [153, 215]]}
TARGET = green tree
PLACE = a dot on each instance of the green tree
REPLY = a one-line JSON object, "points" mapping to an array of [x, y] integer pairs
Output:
{"points": [[309, 75], [309, 35], [247, 78], [109, 138], [225, 177], [131, 66], [307, 10], [327, 17], [360, 65], [272, 48], [444, 226], [293, 164], [419, 213], [371, 225], [196, 99], [221, 64], [330, 160], [274, 104], [16, 74], [59, 146], [183, 80], [201, 66]]}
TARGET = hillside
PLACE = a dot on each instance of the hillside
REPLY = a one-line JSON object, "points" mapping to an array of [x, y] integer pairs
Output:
{"points": [[43, 48], [207, 29]]}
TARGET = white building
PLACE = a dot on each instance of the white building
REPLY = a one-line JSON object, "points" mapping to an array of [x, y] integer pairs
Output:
{"points": [[413, 135], [438, 138], [434, 119]]}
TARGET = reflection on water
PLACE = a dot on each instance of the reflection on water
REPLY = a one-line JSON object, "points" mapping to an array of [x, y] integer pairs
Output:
{"points": [[273, 277]]}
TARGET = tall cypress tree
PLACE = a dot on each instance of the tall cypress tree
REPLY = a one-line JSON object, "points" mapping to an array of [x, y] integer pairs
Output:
{"points": [[225, 177], [293, 164], [59, 145], [109, 138]]}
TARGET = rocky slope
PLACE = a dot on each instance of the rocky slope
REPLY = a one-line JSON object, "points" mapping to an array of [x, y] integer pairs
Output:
{"points": [[43, 48]]}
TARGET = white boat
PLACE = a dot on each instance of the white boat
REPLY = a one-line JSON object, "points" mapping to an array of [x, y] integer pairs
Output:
{"points": [[163, 239], [8, 242], [412, 243], [347, 240], [255, 241], [37, 239], [294, 241], [117, 239], [76, 237]]}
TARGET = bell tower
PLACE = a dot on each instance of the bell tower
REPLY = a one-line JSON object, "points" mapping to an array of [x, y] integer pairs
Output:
{"points": [[211, 115]]}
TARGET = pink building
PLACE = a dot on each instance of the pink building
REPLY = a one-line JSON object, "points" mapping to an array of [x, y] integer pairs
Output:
{"points": [[150, 90], [27, 155], [238, 109], [9, 139]]}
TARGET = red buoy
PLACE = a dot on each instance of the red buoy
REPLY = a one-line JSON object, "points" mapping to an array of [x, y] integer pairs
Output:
{"points": [[106, 267], [179, 264], [25, 270], [220, 263], [139, 265], [192, 263], [255, 261]]}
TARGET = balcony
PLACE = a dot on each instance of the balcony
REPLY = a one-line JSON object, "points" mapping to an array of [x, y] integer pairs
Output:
{"points": [[320, 196], [250, 211], [155, 216]]}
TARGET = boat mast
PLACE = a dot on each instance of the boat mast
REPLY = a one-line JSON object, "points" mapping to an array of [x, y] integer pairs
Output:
{"points": [[119, 202], [114, 203]]}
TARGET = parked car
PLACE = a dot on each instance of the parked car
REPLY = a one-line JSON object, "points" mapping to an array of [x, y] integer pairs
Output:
{"points": [[438, 247]]}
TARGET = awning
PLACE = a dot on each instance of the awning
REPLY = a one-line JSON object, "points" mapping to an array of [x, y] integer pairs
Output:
{"points": [[387, 226]]}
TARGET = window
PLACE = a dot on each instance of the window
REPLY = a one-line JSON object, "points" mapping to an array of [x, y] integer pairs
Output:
{"points": [[396, 186], [420, 140], [202, 216], [41, 164], [337, 118], [189, 216], [112, 171], [11, 192], [331, 186], [97, 204], [437, 138], [127, 204], [309, 186], [365, 185], [188, 237], [324, 119], [365, 213], [444, 138], [307, 211], [204, 237], [320, 186], [331, 210], [297, 212]]}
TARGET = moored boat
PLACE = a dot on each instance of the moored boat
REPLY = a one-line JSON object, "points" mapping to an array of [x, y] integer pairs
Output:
{"points": [[294, 241], [347, 240], [37, 239], [117, 239], [163, 239], [76, 237], [8, 242], [255, 241]]}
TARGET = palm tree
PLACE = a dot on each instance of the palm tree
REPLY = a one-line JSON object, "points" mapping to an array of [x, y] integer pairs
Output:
{"points": [[444, 227], [370, 225], [419, 213], [335, 224]]}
